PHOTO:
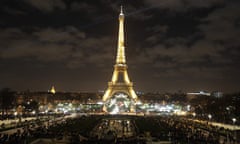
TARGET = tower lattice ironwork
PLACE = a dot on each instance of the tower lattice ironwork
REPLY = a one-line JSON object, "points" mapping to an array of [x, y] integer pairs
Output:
{"points": [[120, 82]]}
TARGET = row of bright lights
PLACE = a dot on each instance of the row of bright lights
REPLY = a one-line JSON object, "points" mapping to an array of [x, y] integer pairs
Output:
{"points": [[210, 117], [156, 107]]}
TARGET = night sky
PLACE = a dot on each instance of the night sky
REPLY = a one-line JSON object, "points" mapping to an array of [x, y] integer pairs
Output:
{"points": [[171, 45]]}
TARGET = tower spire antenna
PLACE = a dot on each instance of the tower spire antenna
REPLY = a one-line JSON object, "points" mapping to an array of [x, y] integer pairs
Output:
{"points": [[121, 48], [121, 12]]}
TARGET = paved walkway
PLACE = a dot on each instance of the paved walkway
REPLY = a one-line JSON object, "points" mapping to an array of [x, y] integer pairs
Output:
{"points": [[46, 123], [226, 126], [12, 121]]}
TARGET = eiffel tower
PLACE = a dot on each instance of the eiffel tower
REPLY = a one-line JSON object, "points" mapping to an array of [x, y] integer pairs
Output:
{"points": [[120, 82]]}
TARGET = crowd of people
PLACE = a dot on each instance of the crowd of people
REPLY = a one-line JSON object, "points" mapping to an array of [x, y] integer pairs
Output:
{"points": [[182, 130], [70, 130], [147, 128]]}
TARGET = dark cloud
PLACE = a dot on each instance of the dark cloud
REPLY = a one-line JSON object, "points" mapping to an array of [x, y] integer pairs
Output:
{"points": [[51, 44], [79, 6], [222, 25], [42, 45], [13, 11], [47, 5], [183, 5], [94, 51], [65, 35], [170, 45], [208, 53]]}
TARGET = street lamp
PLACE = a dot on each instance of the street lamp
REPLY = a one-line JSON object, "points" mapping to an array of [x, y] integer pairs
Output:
{"points": [[235, 134], [209, 117], [234, 120], [194, 114]]}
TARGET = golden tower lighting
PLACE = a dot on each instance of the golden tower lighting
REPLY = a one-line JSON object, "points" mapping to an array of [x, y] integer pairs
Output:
{"points": [[53, 91], [120, 82]]}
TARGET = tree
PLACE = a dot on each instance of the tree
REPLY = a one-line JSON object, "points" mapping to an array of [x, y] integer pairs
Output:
{"points": [[7, 97], [31, 106]]}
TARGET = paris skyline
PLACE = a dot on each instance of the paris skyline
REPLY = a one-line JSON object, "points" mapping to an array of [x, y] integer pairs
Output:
{"points": [[173, 45]]}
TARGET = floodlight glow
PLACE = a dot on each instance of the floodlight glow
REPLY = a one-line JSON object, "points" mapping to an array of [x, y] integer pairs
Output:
{"points": [[125, 103], [121, 96], [113, 101], [234, 120], [180, 112], [188, 107], [138, 102], [194, 114], [115, 110], [209, 116], [33, 112], [100, 102]]}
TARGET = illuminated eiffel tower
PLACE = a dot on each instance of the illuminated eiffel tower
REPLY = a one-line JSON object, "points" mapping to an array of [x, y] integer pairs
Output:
{"points": [[120, 82]]}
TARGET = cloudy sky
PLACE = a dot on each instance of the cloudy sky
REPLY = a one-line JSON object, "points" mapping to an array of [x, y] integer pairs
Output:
{"points": [[171, 45]]}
